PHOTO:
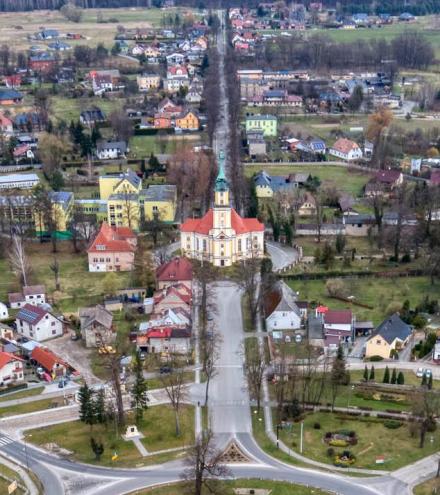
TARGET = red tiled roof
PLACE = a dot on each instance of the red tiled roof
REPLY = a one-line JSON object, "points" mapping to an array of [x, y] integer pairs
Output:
{"points": [[342, 317], [31, 290], [175, 270], [344, 145], [6, 357], [114, 239], [46, 358], [388, 176], [204, 225]]}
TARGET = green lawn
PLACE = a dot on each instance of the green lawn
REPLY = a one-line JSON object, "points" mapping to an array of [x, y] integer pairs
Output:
{"points": [[374, 439], [157, 426], [67, 109], [361, 244], [23, 393], [28, 407], [143, 146], [11, 475], [375, 292], [274, 487], [430, 487], [78, 286], [153, 383], [343, 179]]}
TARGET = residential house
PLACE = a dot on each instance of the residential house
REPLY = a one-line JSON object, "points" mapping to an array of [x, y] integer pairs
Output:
{"points": [[106, 150], [193, 96], [358, 225], [306, 206], [59, 46], [147, 82], [4, 313], [165, 340], [53, 365], [37, 324], [266, 123], [390, 178], [392, 335], [6, 127], [11, 369], [159, 201], [48, 34], [346, 150], [97, 326], [19, 181], [177, 271], [31, 294], [174, 296], [175, 58], [177, 72], [314, 146], [13, 81], [267, 185], [23, 152], [29, 122], [42, 63], [62, 211], [256, 143], [112, 249], [162, 121], [280, 309], [338, 325], [176, 317], [10, 97], [173, 85], [124, 182], [188, 120], [105, 80], [168, 107], [436, 352], [91, 117], [124, 210]]}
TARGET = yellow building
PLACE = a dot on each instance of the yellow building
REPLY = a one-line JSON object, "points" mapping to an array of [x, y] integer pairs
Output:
{"points": [[222, 236], [188, 120], [123, 183], [147, 82], [159, 201], [62, 210], [123, 210], [391, 335]]}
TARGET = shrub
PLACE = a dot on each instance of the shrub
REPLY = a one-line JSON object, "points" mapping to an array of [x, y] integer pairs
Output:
{"points": [[328, 435], [392, 424], [317, 426], [431, 425], [338, 443], [330, 452], [376, 358], [352, 434]]}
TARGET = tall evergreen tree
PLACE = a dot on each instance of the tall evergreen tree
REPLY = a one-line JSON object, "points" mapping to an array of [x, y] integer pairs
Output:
{"points": [[366, 373], [424, 380], [400, 378], [339, 375], [386, 375], [372, 373], [393, 377], [85, 403], [430, 382], [97, 447], [139, 390], [99, 407]]}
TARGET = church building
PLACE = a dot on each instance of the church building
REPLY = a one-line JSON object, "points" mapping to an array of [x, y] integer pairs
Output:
{"points": [[222, 236]]}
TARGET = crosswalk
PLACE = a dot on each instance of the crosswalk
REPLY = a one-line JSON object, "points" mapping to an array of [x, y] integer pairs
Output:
{"points": [[5, 441]]}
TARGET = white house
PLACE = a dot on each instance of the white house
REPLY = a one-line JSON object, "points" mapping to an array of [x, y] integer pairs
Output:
{"points": [[37, 324], [346, 150], [165, 340], [4, 313], [175, 58], [338, 325], [280, 309], [32, 294], [11, 369], [173, 85], [111, 149], [19, 181]]}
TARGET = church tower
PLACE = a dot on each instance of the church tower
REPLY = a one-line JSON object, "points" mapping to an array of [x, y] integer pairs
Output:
{"points": [[222, 207]]}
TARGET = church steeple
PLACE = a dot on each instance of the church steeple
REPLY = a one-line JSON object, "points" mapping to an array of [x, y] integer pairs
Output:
{"points": [[221, 190]]}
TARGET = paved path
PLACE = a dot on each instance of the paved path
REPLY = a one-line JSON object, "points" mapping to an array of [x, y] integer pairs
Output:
{"points": [[282, 256]]}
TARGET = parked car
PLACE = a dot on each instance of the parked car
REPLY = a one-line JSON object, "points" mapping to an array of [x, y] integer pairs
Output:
{"points": [[428, 372], [165, 370], [419, 372]]}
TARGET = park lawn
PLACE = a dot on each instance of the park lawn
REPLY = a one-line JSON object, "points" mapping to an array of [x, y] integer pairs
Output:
{"points": [[375, 292], [28, 407], [362, 245], [374, 439], [347, 180], [22, 393], [157, 426], [246, 316], [274, 487], [154, 383], [143, 146], [11, 475], [429, 487], [410, 377], [78, 286], [68, 109]]}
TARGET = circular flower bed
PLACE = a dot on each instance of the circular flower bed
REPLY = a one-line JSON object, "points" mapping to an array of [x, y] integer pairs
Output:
{"points": [[346, 459]]}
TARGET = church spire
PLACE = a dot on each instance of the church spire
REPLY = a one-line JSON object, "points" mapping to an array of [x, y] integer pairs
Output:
{"points": [[221, 183]]}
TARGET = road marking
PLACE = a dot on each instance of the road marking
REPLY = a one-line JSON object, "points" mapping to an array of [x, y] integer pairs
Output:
{"points": [[229, 366], [6, 440]]}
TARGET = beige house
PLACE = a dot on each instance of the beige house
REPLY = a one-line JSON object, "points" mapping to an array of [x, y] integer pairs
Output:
{"points": [[393, 334], [307, 206], [147, 82], [96, 326]]}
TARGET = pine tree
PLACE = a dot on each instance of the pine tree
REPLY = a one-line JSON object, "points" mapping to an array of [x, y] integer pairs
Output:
{"points": [[400, 378], [393, 377], [386, 375], [139, 390], [97, 447], [85, 402], [95, 136], [372, 373], [99, 407], [366, 373], [339, 375], [430, 382]]}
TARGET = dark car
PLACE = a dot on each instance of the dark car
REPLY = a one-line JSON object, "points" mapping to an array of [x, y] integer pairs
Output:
{"points": [[165, 370]]}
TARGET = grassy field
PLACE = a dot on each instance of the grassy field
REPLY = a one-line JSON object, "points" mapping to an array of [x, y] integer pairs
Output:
{"points": [[28, 407], [157, 426], [11, 475], [350, 181], [69, 109], [430, 487], [16, 26], [374, 439], [143, 146], [376, 292], [152, 383], [78, 286], [23, 393], [275, 488], [361, 244]]}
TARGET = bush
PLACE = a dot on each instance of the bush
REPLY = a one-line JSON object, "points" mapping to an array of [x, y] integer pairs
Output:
{"points": [[392, 424], [431, 425], [328, 435], [352, 434], [338, 443], [376, 358], [330, 452], [317, 426]]}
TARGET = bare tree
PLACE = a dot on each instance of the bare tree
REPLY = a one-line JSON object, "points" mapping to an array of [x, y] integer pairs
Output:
{"points": [[378, 202], [174, 385], [204, 467], [210, 351], [255, 368], [425, 409], [248, 276], [55, 268], [18, 259]]}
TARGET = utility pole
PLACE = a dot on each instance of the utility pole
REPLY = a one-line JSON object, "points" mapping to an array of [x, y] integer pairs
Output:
{"points": [[301, 439]]}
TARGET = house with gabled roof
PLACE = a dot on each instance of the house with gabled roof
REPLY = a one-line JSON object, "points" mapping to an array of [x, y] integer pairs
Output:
{"points": [[393, 334], [177, 271], [174, 296], [31, 294], [37, 324], [52, 364], [280, 309], [96, 326], [165, 340], [112, 250], [125, 182], [11, 369], [346, 150]]}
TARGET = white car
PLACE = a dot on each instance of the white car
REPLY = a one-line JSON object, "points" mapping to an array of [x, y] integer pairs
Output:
{"points": [[420, 372], [428, 372]]}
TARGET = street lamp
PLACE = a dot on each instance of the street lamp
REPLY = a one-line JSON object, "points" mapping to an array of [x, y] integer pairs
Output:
{"points": [[349, 396], [278, 435]]}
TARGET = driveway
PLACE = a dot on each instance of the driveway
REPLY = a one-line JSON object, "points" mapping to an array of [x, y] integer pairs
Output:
{"points": [[282, 256]]}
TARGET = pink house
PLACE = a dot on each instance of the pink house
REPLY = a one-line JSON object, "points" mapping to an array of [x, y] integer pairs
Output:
{"points": [[112, 250]]}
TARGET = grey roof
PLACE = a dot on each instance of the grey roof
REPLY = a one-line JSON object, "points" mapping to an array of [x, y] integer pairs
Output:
{"points": [[64, 198], [286, 299], [95, 314], [393, 328], [6, 179], [159, 192], [315, 327], [261, 117], [124, 196], [275, 182], [109, 145], [128, 175]]}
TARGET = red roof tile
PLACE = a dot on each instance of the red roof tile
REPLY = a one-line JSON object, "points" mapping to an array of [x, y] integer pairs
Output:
{"points": [[342, 317], [388, 176], [175, 270], [113, 239], [344, 145], [46, 358], [6, 357]]}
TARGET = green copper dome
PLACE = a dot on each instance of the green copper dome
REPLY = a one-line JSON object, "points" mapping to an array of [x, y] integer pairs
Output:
{"points": [[221, 183]]}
